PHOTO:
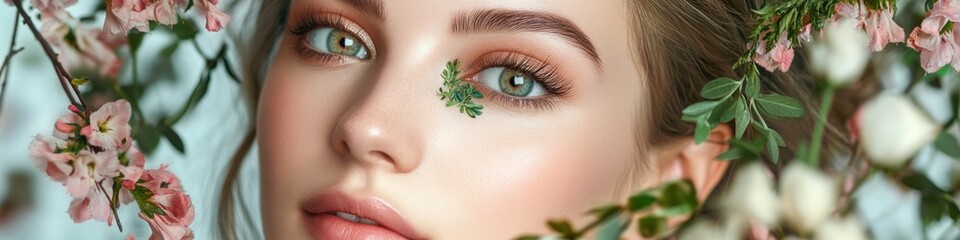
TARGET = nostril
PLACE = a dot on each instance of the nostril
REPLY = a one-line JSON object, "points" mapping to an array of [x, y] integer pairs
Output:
{"points": [[343, 148], [382, 156]]}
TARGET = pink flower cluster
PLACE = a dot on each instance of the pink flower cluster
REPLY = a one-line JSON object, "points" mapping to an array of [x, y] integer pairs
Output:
{"points": [[938, 37], [124, 15], [94, 156], [79, 47], [878, 24]]}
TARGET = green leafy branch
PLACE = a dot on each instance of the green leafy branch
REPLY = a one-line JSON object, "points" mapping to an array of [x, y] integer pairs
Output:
{"points": [[459, 93], [653, 208]]}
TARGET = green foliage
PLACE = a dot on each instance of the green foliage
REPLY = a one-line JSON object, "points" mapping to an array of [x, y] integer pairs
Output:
{"points": [[142, 195], [654, 207], [948, 144], [459, 93], [780, 106]]}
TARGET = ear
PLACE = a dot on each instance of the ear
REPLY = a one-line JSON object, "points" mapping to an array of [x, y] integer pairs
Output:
{"points": [[698, 162]]}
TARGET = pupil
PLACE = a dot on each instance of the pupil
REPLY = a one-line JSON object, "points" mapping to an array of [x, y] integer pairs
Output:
{"points": [[346, 42], [517, 80]]}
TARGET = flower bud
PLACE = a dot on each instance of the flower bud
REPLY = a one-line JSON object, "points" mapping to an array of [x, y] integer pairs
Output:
{"points": [[752, 194], [848, 228], [892, 129], [807, 195], [841, 55]]}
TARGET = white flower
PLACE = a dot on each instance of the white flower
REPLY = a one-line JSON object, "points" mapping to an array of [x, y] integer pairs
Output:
{"points": [[848, 228], [892, 129], [841, 54], [808, 196], [706, 230], [752, 194]]}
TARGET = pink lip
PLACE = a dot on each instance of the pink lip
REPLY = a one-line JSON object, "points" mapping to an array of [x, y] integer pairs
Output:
{"points": [[321, 221]]}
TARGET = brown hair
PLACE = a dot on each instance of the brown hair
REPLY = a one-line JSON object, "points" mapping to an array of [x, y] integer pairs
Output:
{"points": [[679, 47]]}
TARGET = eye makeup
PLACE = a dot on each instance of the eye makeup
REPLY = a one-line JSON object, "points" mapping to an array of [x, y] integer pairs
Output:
{"points": [[541, 72], [304, 25]]}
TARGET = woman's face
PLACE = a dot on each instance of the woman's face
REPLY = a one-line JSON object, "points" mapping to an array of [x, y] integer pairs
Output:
{"points": [[350, 122]]}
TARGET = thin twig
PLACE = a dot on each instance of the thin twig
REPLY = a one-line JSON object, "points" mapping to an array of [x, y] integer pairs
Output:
{"points": [[113, 209], [6, 61], [62, 73]]}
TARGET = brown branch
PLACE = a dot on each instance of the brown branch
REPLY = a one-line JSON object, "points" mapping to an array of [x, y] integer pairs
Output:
{"points": [[5, 69], [113, 209], [62, 73]]}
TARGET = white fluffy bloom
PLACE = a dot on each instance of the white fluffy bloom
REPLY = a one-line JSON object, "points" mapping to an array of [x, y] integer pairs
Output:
{"points": [[706, 230], [752, 194], [808, 196], [841, 55], [892, 129], [848, 228]]}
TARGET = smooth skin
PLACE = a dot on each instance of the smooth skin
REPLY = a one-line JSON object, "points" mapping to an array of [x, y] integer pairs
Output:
{"points": [[375, 127]]}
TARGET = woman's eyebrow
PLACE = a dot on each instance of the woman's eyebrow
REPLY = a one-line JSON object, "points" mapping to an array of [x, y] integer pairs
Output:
{"points": [[501, 20], [369, 7]]}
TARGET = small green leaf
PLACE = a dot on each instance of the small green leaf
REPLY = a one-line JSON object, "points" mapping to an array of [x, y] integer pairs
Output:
{"points": [[753, 87], [948, 144], [613, 228], [780, 106], [702, 132], [921, 183], [641, 201], [743, 121], [731, 154], [605, 211], [677, 198], [147, 138], [932, 208], [185, 29], [700, 108], [134, 40], [651, 226], [562, 227], [773, 149], [174, 139], [719, 88], [733, 110]]}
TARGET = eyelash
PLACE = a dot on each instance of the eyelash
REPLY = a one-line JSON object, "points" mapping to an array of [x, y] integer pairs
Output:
{"points": [[305, 24], [542, 72]]}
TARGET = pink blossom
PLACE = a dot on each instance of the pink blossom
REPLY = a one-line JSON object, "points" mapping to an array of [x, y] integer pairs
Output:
{"points": [[134, 168], [94, 205], [878, 24], [52, 7], [109, 126], [169, 196], [46, 156], [123, 15], [882, 29], [937, 47], [89, 169], [851, 11], [778, 58], [216, 19], [87, 49], [67, 125]]}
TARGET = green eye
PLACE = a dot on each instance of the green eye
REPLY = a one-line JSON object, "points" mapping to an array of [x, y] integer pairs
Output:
{"points": [[511, 82], [338, 42]]}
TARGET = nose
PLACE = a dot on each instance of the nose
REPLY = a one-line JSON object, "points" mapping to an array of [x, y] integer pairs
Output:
{"points": [[378, 131]]}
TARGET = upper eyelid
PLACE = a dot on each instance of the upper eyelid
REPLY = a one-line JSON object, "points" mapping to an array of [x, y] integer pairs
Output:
{"points": [[333, 20]]}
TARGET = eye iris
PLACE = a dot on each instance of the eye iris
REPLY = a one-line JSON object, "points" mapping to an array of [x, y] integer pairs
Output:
{"points": [[341, 42], [515, 83]]}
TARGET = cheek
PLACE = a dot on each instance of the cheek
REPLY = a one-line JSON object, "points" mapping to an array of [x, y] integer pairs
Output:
{"points": [[297, 112], [516, 180]]}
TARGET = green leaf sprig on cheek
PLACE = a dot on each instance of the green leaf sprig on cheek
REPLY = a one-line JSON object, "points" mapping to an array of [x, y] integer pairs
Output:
{"points": [[459, 93]]}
